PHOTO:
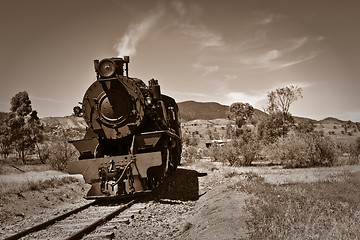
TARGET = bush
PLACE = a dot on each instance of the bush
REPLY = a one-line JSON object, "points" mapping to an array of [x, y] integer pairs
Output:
{"points": [[303, 150], [190, 140], [355, 152], [275, 126], [62, 152], [59, 151], [189, 154], [241, 151]]}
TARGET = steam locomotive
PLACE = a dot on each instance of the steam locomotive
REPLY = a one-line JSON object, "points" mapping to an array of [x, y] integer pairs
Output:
{"points": [[133, 139]]}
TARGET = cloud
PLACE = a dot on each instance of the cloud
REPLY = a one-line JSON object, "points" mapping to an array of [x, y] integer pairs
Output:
{"points": [[268, 56], [295, 44], [299, 60], [179, 7], [269, 19], [230, 77], [32, 97], [283, 56], [252, 99], [136, 32], [257, 41], [201, 36], [206, 70], [318, 38]]}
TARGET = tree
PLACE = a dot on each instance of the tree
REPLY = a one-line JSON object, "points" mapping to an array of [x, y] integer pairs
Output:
{"points": [[279, 102], [306, 126], [5, 140], [280, 99], [25, 130], [241, 113], [18, 135], [35, 131], [21, 104], [274, 126], [77, 111]]}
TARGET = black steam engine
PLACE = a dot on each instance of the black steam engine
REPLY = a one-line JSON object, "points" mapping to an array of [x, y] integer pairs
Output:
{"points": [[133, 136]]}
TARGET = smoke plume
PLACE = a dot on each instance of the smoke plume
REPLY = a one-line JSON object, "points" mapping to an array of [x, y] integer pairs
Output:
{"points": [[135, 33]]}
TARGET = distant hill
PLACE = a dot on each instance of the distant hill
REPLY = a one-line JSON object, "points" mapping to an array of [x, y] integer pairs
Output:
{"points": [[191, 110], [74, 127], [304, 119], [331, 120], [68, 122]]}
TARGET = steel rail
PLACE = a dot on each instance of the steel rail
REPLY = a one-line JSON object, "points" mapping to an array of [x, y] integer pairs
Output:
{"points": [[88, 229], [49, 222]]}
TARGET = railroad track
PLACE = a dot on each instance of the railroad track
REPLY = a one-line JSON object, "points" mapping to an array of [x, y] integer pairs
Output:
{"points": [[80, 222]]}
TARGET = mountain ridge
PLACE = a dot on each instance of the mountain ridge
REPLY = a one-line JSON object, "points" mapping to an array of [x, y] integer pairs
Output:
{"points": [[191, 110]]}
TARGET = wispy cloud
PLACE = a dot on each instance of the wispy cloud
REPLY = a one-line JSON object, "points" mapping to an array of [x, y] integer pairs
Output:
{"points": [[32, 97], [136, 32], [301, 59], [258, 98], [281, 57], [201, 35], [252, 99], [258, 40], [265, 19], [179, 8], [206, 70], [230, 77]]}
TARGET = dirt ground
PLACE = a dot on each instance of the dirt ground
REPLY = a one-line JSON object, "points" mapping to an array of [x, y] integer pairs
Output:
{"points": [[195, 202], [26, 209]]}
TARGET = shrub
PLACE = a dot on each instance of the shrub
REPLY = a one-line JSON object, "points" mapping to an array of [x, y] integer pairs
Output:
{"points": [[189, 154], [303, 150], [190, 140], [241, 151], [355, 152], [60, 154], [215, 152], [60, 151], [305, 126], [275, 126]]}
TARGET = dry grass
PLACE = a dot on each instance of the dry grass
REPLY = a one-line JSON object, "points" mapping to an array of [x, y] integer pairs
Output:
{"points": [[16, 168], [15, 183], [321, 210]]}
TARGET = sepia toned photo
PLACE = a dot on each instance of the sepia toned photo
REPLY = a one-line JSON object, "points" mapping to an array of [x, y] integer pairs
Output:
{"points": [[179, 119]]}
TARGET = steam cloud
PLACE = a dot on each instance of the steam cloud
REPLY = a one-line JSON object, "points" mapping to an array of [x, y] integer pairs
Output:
{"points": [[135, 33]]}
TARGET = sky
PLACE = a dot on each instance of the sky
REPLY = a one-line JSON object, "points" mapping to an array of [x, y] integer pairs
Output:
{"points": [[221, 51]]}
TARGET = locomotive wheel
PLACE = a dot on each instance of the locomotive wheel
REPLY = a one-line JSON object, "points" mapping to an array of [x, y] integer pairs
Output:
{"points": [[173, 164], [152, 183], [175, 158]]}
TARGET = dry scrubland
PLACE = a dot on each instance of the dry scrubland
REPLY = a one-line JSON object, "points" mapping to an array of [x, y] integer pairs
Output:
{"points": [[313, 203], [300, 203], [267, 202], [328, 143], [260, 201]]}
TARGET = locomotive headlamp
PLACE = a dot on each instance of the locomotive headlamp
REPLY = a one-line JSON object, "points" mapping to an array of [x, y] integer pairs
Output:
{"points": [[107, 68]]}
